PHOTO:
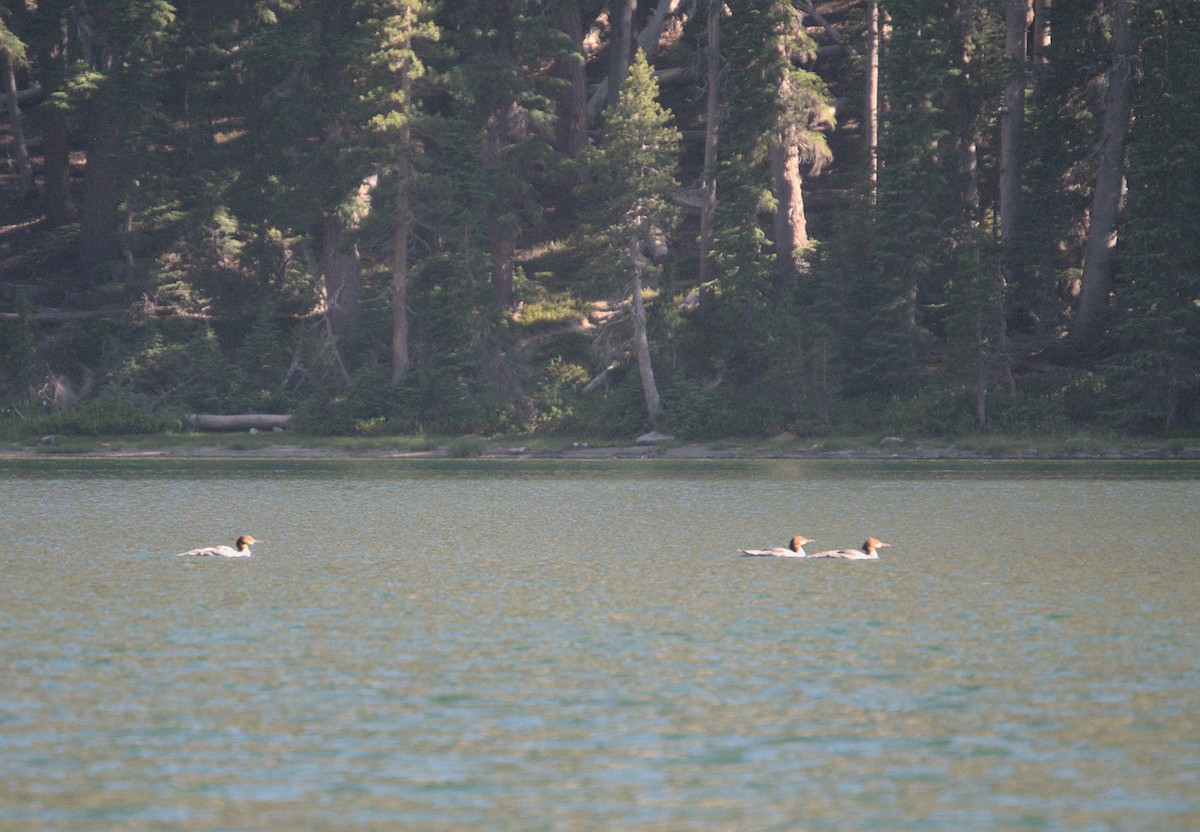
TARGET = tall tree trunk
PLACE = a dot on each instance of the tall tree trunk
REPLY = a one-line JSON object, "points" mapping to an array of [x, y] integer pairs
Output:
{"points": [[1012, 119], [791, 226], [341, 269], [99, 222], [619, 46], [964, 111], [503, 248], [966, 140], [17, 128], [981, 364], [1018, 15], [56, 170], [871, 108], [641, 341], [1041, 30], [502, 226], [711, 126], [402, 221], [647, 41], [787, 185], [56, 166], [1110, 180], [572, 111], [506, 126]]}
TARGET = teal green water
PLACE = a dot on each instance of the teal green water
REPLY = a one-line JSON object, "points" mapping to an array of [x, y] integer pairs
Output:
{"points": [[488, 645]]}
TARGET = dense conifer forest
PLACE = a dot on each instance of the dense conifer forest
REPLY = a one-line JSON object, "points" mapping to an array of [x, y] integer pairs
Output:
{"points": [[850, 217]]}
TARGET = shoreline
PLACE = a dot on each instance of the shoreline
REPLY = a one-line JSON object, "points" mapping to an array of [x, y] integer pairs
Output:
{"points": [[583, 451]]}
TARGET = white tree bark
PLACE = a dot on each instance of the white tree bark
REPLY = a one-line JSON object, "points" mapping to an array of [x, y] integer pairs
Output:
{"points": [[641, 341]]}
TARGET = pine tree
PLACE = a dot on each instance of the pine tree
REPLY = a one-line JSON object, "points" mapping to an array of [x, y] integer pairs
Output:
{"points": [[743, 252], [1063, 134], [772, 126], [633, 175], [1158, 329], [392, 70], [917, 202], [12, 54]]}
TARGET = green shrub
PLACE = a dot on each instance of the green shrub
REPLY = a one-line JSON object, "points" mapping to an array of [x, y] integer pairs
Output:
{"points": [[619, 411], [695, 413], [468, 447], [557, 394], [932, 411], [113, 412]]}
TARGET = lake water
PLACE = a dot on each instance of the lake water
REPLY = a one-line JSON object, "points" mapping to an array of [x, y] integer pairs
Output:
{"points": [[521, 645]]}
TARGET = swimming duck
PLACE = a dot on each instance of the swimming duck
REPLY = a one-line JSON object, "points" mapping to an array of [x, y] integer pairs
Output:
{"points": [[794, 549], [223, 551], [867, 552]]}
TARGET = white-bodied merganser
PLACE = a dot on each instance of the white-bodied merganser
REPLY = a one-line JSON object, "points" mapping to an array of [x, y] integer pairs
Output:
{"points": [[794, 549], [867, 552], [223, 551]]}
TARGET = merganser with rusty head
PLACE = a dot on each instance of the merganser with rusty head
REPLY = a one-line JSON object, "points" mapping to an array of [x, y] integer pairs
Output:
{"points": [[867, 552], [240, 550], [794, 549]]}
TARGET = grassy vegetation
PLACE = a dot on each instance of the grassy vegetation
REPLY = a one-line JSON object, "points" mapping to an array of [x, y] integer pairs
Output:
{"points": [[474, 446]]}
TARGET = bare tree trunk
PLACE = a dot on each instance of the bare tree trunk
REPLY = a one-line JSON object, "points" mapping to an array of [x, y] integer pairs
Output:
{"points": [[99, 222], [1041, 30], [711, 127], [1110, 180], [341, 273], [17, 128], [831, 30], [56, 170], [507, 125], [1012, 119], [1017, 15], [787, 185], [871, 110], [647, 41], [791, 226], [641, 342], [503, 249], [402, 221], [964, 107], [981, 363], [619, 46], [572, 115]]}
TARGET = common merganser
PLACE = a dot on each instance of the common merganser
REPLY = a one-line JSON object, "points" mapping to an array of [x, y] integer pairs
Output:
{"points": [[867, 552], [223, 551], [794, 549]]}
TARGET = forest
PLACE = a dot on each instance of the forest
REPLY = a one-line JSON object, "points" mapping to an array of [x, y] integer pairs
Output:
{"points": [[593, 218]]}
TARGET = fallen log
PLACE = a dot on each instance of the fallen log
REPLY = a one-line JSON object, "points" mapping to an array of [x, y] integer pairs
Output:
{"points": [[241, 421]]}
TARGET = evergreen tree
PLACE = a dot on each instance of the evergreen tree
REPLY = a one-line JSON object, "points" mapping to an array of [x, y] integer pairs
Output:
{"points": [[1063, 134], [743, 250], [12, 54], [1158, 365], [393, 69], [285, 168], [918, 202], [495, 63], [774, 113], [101, 66], [633, 175]]}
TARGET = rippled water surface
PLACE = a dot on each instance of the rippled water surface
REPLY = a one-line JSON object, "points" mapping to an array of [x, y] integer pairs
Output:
{"points": [[491, 645]]}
